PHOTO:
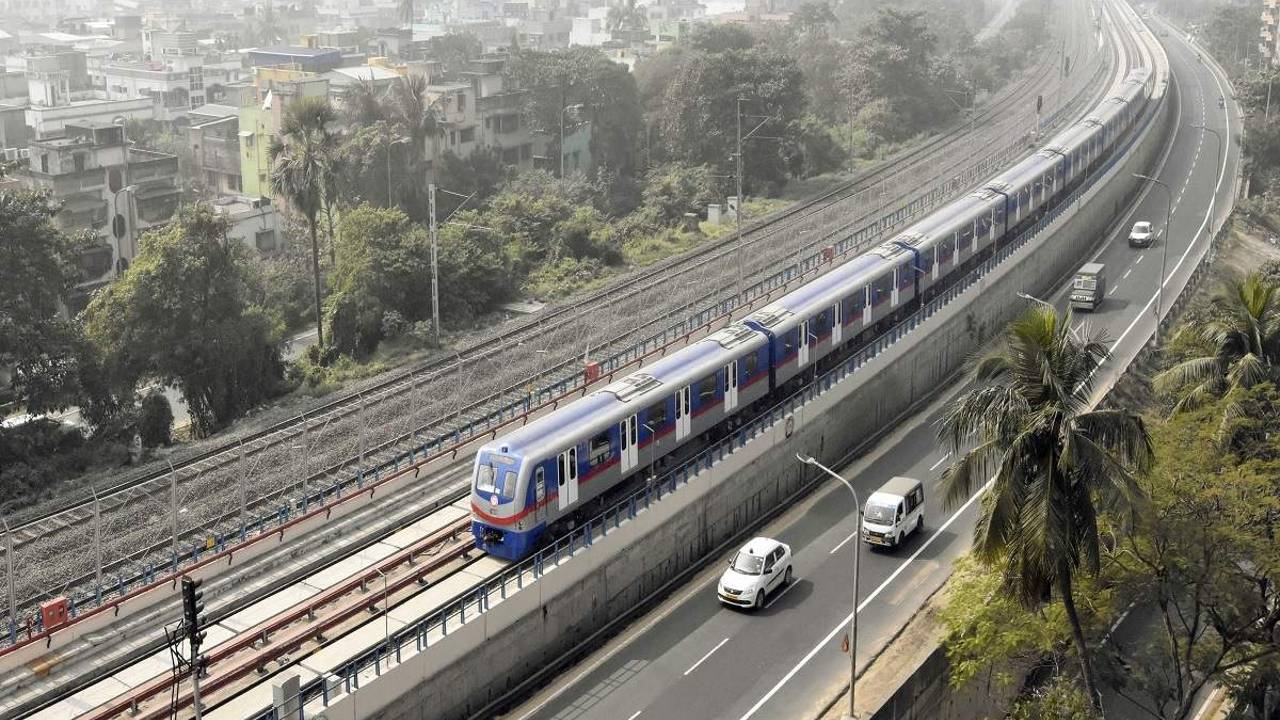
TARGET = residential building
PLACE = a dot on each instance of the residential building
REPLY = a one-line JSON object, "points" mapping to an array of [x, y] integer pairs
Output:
{"points": [[254, 222], [106, 186], [1269, 40], [591, 30], [173, 74], [261, 114], [213, 137], [306, 59], [13, 128], [54, 104]]}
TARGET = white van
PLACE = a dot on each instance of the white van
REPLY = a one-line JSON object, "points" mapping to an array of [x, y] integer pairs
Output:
{"points": [[893, 512]]}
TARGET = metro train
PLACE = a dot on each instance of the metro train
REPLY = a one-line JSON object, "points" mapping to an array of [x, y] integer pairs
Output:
{"points": [[537, 479]]}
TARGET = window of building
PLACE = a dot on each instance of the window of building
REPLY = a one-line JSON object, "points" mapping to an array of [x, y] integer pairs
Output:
{"points": [[265, 240], [511, 156], [44, 163], [526, 151], [467, 135], [78, 159], [462, 102], [453, 137]]}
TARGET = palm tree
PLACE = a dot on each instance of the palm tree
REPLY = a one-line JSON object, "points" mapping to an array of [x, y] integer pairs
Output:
{"points": [[1049, 459], [363, 103], [407, 12], [302, 168], [626, 16], [414, 115], [1241, 342]]}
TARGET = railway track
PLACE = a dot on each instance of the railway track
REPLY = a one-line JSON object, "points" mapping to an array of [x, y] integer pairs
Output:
{"points": [[309, 431], [236, 663]]}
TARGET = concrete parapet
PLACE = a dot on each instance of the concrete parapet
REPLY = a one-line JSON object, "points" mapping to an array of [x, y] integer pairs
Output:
{"points": [[531, 631]]}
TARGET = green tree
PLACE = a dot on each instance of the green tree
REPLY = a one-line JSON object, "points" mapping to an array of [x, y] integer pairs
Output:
{"points": [[474, 270], [384, 265], [673, 189], [1059, 699], [700, 118], [155, 420], [455, 51], [480, 174], [720, 38], [182, 315], [606, 92], [364, 103], [896, 60], [1026, 426], [39, 266], [626, 16], [1234, 348], [416, 120], [813, 19], [301, 168], [1203, 553]]}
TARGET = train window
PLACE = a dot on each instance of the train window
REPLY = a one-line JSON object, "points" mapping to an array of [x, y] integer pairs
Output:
{"points": [[946, 249], [657, 414], [880, 288], [752, 363], [485, 476], [540, 484], [906, 273], [964, 238], [788, 342], [598, 450], [707, 388], [563, 474], [573, 462], [824, 321], [507, 485], [857, 302], [926, 261]]}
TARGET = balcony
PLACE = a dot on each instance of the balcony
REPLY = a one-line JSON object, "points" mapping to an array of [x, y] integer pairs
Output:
{"points": [[500, 101]]}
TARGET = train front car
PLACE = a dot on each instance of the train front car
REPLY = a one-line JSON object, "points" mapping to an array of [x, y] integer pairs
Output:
{"points": [[504, 504]]}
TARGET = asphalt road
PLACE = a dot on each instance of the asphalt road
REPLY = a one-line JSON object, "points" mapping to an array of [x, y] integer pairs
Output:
{"points": [[693, 658]]}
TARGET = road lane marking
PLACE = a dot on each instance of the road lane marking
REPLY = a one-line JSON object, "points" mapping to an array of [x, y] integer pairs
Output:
{"points": [[1207, 702], [704, 657], [1135, 262], [869, 599], [635, 715], [849, 618], [836, 549], [1114, 288], [778, 597], [1125, 276], [940, 461]]}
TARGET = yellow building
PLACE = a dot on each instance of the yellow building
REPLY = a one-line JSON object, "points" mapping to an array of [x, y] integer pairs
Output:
{"points": [[275, 88]]}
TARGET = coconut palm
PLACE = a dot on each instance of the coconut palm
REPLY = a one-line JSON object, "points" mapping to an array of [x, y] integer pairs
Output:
{"points": [[414, 117], [626, 15], [363, 103], [1049, 458], [1241, 341], [302, 168]]}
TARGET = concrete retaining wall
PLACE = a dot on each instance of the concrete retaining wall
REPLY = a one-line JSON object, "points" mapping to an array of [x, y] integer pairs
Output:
{"points": [[566, 610]]}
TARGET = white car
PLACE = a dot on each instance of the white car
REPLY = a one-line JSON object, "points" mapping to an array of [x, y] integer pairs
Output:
{"points": [[1142, 234], [760, 567]]}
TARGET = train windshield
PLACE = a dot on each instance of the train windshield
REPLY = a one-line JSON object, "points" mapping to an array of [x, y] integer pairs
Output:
{"points": [[492, 478]]}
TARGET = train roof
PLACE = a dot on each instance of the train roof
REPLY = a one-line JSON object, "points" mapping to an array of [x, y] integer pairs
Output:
{"points": [[787, 311], [555, 431]]}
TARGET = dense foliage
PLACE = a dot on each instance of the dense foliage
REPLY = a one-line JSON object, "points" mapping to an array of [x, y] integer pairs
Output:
{"points": [[183, 315]]}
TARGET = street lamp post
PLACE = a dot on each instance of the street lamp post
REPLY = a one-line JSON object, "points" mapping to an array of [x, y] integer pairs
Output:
{"points": [[128, 234], [1164, 244], [857, 551], [564, 111]]}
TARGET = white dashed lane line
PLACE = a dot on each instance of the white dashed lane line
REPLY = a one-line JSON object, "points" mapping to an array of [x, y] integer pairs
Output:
{"points": [[704, 657], [1126, 274]]}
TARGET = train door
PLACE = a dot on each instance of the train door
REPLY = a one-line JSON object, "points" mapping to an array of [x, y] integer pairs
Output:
{"points": [[730, 387], [804, 343], [684, 424], [567, 479], [866, 306], [629, 453], [896, 281], [539, 495], [837, 323]]}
